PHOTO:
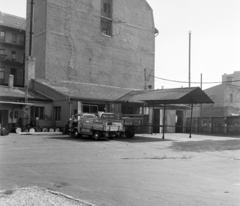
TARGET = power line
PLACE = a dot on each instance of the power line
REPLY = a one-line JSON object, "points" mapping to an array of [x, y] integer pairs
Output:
{"points": [[194, 82]]}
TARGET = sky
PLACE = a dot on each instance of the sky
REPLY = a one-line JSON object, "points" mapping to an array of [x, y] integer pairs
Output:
{"points": [[215, 39]]}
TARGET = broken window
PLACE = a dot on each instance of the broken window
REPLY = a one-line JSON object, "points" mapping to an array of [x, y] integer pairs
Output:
{"points": [[106, 27]]}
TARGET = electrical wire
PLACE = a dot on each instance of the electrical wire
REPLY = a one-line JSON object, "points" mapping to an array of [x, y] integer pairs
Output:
{"points": [[194, 82]]}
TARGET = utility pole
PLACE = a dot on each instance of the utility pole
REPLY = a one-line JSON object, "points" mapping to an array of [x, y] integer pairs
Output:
{"points": [[201, 104], [201, 81], [189, 63], [31, 29]]}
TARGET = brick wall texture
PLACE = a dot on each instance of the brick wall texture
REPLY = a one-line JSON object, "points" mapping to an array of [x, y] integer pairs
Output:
{"points": [[68, 44]]}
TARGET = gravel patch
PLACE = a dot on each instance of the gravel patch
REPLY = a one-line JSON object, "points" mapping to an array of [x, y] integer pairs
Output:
{"points": [[35, 196]]}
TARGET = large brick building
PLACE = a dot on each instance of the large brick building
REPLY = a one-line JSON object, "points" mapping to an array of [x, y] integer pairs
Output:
{"points": [[108, 42]]}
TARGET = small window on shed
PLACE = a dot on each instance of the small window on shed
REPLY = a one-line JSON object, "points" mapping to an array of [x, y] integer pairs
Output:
{"points": [[37, 113], [2, 34], [1, 73], [57, 113], [231, 98]]}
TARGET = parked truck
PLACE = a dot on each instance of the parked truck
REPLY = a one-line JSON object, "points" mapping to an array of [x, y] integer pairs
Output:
{"points": [[92, 125], [130, 122]]}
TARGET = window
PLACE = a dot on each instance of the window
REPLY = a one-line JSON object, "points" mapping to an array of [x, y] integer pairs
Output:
{"points": [[2, 35], [13, 72], [2, 54], [106, 27], [37, 113], [107, 8], [1, 73], [90, 108], [106, 31], [57, 111], [106, 17], [231, 98], [2, 51], [14, 38], [13, 55]]}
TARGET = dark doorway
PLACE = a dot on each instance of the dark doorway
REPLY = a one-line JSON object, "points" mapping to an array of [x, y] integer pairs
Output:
{"points": [[14, 73], [4, 118], [179, 121], [156, 121], [93, 108]]}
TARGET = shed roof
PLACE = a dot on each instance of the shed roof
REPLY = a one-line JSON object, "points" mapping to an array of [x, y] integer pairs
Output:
{"points": [[17, 92], [190, 95], [12, 21], [86, 91]]}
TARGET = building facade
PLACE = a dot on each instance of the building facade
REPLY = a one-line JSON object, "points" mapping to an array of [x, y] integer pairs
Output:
{"points": [[225, 95], [108, 42], [12, 48], [233, 79], [222, 117]]}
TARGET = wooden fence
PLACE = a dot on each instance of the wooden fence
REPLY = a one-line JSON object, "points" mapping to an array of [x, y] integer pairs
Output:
{"points": [[214, 125]]}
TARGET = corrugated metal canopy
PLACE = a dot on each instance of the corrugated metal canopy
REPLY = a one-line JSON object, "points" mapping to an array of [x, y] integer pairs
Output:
{"points": [[191, 95], [17, 103]]}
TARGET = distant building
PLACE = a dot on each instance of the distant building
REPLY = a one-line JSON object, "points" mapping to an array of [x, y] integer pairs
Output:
{"points": [[107, 42], [233, 79], [226, 99], [224, 115], [12, 49]]}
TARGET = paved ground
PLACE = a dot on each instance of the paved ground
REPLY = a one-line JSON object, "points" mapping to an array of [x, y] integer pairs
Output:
{"points": [[145, 170]]}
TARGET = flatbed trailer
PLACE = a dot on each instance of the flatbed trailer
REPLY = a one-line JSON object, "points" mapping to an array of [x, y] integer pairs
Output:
{"points": [[91, 125], [130, 122]]}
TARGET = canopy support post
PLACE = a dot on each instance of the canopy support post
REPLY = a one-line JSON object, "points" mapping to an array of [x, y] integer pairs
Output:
{"points": [[190, 135], [152, 118], [164, 116]]}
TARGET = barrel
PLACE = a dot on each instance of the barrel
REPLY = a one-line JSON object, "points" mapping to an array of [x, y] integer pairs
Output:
{"points": [[4, 132]]}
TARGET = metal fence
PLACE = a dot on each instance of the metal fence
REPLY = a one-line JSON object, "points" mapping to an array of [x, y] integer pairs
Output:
{"points": [[214, 125]]}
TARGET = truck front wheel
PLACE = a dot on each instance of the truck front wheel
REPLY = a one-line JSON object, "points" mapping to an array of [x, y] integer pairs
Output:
{"points": [[96, 136], [75, 134], [129, 133]]}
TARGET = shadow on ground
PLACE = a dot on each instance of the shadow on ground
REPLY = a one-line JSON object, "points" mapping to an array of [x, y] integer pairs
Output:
{"points": [[136, 139], [206, 146], [140, 139], [68, 138]]}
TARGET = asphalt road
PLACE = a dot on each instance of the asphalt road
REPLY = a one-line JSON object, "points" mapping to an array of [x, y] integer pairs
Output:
{"points": [[145, 170]]}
